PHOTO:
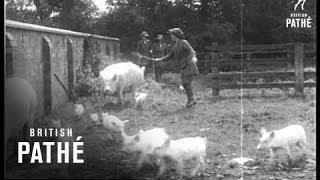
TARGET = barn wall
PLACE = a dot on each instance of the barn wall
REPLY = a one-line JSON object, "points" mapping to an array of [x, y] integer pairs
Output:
{"points": [[30, 46]]}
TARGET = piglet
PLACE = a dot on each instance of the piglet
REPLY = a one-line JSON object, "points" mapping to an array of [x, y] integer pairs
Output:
{"points": [[282, 138], [94, 117], [139, 98], [113, 122], [145, 142], [181, 150], [79, 109]]}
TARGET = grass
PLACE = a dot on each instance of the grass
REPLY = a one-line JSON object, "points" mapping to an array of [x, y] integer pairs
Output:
{"points": [[220, 117]]}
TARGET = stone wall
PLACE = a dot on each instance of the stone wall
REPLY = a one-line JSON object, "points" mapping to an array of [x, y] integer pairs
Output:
{"points": [[36, 53]]}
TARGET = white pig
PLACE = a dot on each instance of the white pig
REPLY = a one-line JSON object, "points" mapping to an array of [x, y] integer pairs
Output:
{"points": [[181, 150], [283, 138], [145, 142], [117, 77], [94, 117], [79, 109], [139, 98], [113, 122], [20, 107]]}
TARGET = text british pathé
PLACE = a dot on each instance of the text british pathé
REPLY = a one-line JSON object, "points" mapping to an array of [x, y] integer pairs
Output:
{"points": [[62, 148], [298, 20]]}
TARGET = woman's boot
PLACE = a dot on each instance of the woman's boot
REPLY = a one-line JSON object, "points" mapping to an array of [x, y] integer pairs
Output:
{"points": [[191, 101]]}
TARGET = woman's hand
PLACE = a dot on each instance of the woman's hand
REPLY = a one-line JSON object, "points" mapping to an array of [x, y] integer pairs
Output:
{"points": [[194, 59]]}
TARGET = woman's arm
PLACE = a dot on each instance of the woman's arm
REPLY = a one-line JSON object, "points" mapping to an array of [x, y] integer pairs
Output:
{"points": [[191, 52], [167, 57]]}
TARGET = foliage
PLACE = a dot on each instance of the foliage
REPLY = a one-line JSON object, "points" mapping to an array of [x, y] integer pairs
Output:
{"points": [[20, 10], [263, 22], [86, 83], [76, 15], [203, 21]]}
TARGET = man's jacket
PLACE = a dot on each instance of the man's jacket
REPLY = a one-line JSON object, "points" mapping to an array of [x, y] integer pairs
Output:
{"points": [[144, 47]]}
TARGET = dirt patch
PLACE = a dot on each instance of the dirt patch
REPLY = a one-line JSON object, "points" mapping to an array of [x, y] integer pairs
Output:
{"points": [[229, 132]]}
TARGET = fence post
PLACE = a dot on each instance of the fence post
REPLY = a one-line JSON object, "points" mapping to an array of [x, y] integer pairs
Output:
{"points": [[248, 64], [298, 61], [206, 63], [215, 70], [290, 55]]}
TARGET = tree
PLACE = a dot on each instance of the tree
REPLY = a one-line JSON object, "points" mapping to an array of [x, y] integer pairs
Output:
{"points": [[203, 21], [20, 10], [76, 15]]}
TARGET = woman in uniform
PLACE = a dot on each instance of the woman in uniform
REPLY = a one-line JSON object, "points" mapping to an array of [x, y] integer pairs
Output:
{"points": [[186, 57]]}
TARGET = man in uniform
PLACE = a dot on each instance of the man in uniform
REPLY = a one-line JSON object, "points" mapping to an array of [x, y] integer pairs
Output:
{"points": [[144, 48], [159, 49]]}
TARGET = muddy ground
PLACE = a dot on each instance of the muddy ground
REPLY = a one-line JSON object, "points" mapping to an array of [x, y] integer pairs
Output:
{"points": [[229, 132]]}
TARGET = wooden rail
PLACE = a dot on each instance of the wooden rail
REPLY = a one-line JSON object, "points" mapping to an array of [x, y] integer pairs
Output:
{"points": [[255, 47], [279, 74], [297, 53], [276, 60], [263, 85]]}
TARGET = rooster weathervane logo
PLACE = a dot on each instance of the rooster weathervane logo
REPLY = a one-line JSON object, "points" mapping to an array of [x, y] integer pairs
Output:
{"points": [[298, 19], [300, 2]]}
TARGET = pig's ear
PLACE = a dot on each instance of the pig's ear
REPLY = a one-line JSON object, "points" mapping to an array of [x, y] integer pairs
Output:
{"points": [[272, 135], [115, 78]]}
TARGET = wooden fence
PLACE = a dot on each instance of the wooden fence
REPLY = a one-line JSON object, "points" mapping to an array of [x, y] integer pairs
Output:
{"points": [[296, 54]]}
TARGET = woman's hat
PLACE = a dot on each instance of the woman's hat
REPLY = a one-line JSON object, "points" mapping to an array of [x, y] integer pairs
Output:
{"points": [[144, 33], [177, 32]]}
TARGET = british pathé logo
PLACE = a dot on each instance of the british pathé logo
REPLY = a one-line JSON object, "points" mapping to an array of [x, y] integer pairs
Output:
{"points": [[300, 2], [299, 19], [62, 148]]}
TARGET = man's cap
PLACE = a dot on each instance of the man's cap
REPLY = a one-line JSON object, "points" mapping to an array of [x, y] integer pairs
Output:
{"points": [[144, 33]]}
